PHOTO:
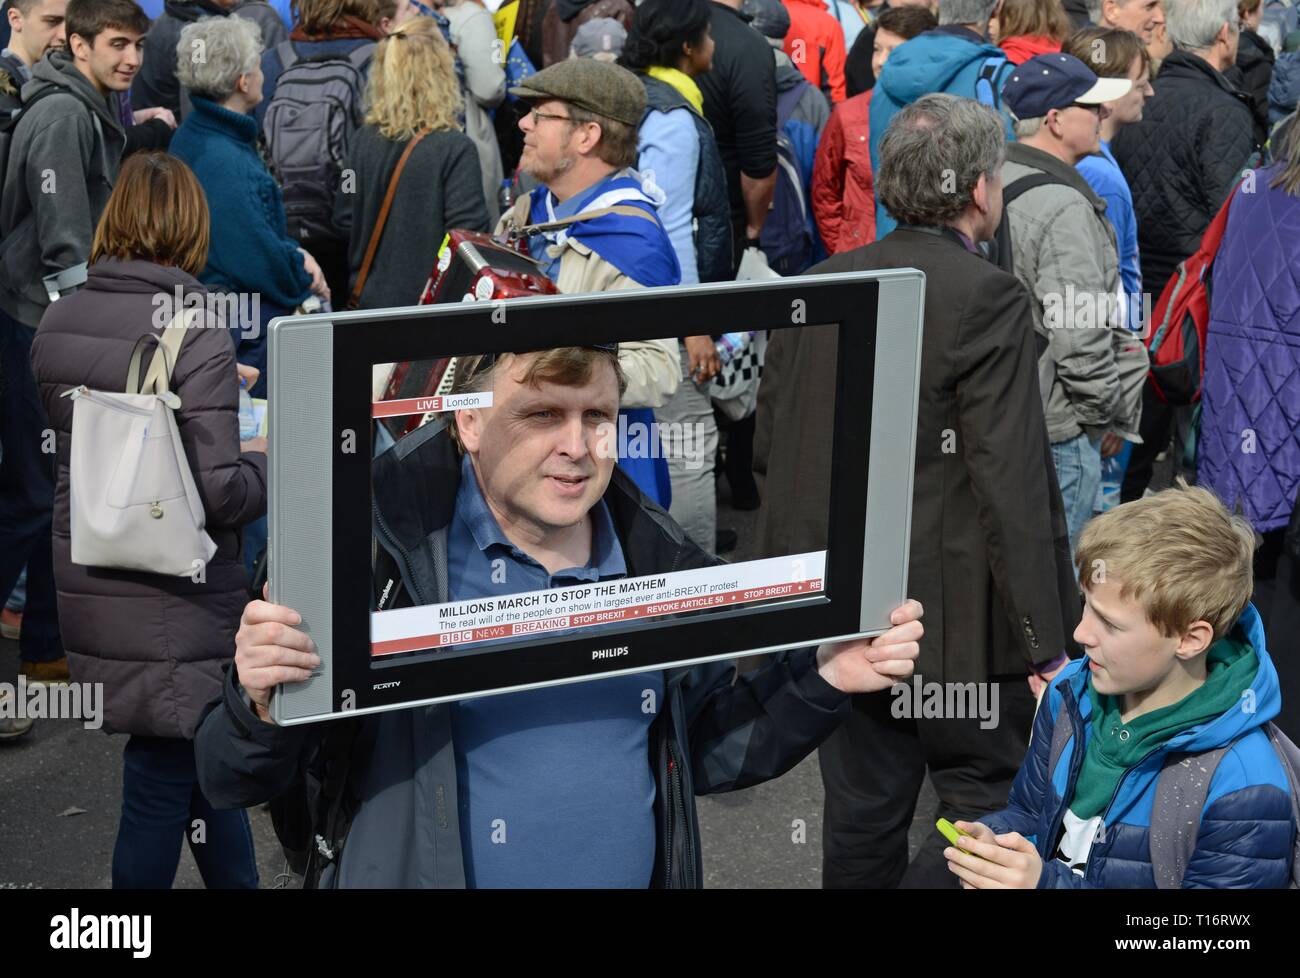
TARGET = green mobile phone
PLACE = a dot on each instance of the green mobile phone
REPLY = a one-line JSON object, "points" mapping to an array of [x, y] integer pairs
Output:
{"points": [[951, 833]]}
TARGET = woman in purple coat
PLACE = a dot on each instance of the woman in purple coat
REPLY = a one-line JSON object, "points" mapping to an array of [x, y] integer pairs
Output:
{"points": [[1249, 447]]}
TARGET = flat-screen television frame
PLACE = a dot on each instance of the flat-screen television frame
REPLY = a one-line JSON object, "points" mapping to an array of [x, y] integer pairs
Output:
{"points": [[320, 533]]}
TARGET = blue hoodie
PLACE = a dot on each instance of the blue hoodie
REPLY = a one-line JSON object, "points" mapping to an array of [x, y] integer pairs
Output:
{"points": [[1246, 831], [942, 60]]}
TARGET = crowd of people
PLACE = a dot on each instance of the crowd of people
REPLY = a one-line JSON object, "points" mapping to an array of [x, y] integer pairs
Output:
{"points": [[1051, 166]]}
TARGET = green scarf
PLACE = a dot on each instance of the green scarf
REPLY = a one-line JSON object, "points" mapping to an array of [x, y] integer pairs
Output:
{"points": [[1230, 666], [681, 81]]}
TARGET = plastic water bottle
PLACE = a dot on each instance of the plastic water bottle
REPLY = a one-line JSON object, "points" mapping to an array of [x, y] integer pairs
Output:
{"points": [[1112, 477], [730, 344], [247, 420]]}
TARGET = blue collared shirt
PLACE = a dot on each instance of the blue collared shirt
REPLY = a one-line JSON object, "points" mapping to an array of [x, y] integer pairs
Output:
{"points": [[555, 784]]}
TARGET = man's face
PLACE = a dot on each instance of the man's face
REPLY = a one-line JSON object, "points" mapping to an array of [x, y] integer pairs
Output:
{"points": [[1080, 129], [112, 61], [886, 41], [540, 451], [1128, 108], [39, 31], [547, 154], [1128, 654], [1139, 16]]}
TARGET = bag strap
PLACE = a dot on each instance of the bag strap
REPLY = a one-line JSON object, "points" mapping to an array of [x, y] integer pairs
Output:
{"points": [[627, 210], [157, 379], [1181, 790], [354, 300], [1061, 734]]}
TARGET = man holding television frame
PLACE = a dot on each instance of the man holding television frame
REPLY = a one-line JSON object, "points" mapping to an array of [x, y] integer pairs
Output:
{"points": [[580, 784]]}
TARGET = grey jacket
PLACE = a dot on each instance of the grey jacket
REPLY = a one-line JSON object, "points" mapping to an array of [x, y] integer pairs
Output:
{"points": [[63, 162], [475, 37], [1065, 254]]}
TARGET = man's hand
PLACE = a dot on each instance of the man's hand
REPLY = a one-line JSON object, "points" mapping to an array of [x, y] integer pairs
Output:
{"points": [[158, 112], [1005, 862], [868, 666], [248, 375], [1111, 445], [1039, 681], [269, 650], [702, 356], [318, 285]]}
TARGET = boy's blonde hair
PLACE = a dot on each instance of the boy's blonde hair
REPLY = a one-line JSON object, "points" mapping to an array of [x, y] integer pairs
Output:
{"points": [[1179, 552]]}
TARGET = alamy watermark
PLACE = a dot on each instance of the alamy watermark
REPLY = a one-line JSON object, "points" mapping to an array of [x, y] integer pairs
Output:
{"points": [[53, 701], [241, 310], [919, 700]]}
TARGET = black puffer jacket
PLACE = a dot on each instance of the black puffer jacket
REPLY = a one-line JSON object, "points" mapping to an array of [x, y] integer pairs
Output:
{"points": [[1253, 73], [157, 643], [712, 213], [1195, 137]]}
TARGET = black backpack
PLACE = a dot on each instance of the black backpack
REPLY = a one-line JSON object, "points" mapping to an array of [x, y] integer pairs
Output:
{"points": [[317, 106]]}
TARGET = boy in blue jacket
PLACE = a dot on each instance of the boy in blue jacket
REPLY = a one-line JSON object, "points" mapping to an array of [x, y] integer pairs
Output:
{"points": [[1175, 665]]}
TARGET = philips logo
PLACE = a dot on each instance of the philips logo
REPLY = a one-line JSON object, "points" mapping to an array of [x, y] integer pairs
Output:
{"points": [[609, 653], [387, 685]]}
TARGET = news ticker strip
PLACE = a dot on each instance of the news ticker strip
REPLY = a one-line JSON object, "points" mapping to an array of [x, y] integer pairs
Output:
{"points": [[601, 603]]}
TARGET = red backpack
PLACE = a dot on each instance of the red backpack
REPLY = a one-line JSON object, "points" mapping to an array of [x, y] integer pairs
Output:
{"points": [[1176, 344]]}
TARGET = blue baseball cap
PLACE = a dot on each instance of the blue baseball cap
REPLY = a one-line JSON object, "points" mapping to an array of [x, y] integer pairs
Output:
{"points": [[1057, 81]]}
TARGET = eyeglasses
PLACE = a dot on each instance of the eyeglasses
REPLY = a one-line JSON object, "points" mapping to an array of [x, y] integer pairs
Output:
{"points": [[1094, 109], [546, 115]]}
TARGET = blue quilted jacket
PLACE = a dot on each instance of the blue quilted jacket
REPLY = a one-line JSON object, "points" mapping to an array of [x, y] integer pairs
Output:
{"points": [[1249, 450], [1246, 831]]}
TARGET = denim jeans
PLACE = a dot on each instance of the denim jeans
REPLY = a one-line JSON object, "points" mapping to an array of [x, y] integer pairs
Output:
{"points": [[161, 805], [1078, 470], [26, 495]]}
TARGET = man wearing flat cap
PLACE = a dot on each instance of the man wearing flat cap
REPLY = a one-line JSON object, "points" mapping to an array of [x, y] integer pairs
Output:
{"points": [[594, 224], [1064, 252]]}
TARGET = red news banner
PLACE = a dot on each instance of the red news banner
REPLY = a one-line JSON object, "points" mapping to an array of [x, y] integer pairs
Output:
{"points": [[427, 405], [584, 605]]}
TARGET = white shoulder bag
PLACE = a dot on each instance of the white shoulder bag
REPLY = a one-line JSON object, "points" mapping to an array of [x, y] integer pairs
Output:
{"points": [[133, 502]]}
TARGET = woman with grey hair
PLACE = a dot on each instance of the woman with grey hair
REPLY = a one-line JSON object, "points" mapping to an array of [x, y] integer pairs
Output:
{"points": [[219, 64], [251, 257]]}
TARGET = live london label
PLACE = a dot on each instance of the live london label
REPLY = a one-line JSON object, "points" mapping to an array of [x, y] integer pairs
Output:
{"points": [[433, 626], [428, 405]]}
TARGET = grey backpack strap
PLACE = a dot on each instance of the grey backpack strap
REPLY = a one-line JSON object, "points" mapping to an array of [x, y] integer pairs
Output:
{"points": [[1289, 755], [1181, 790], [287, 54], [1061, 734]]}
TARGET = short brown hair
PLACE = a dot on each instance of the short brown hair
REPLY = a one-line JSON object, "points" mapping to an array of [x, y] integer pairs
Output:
{"points": [[1179, 552], [1245, 7], [318, 17], [907, 22], [90, 18], [158, 213], [569, 366], [1037, 18], [618, 140], [1108, 51]]}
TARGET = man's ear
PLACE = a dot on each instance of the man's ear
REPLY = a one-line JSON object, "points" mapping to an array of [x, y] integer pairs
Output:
{"points": [[979, 195], [591, 136], [469, 425], [1197, 637], [79, 48]]}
